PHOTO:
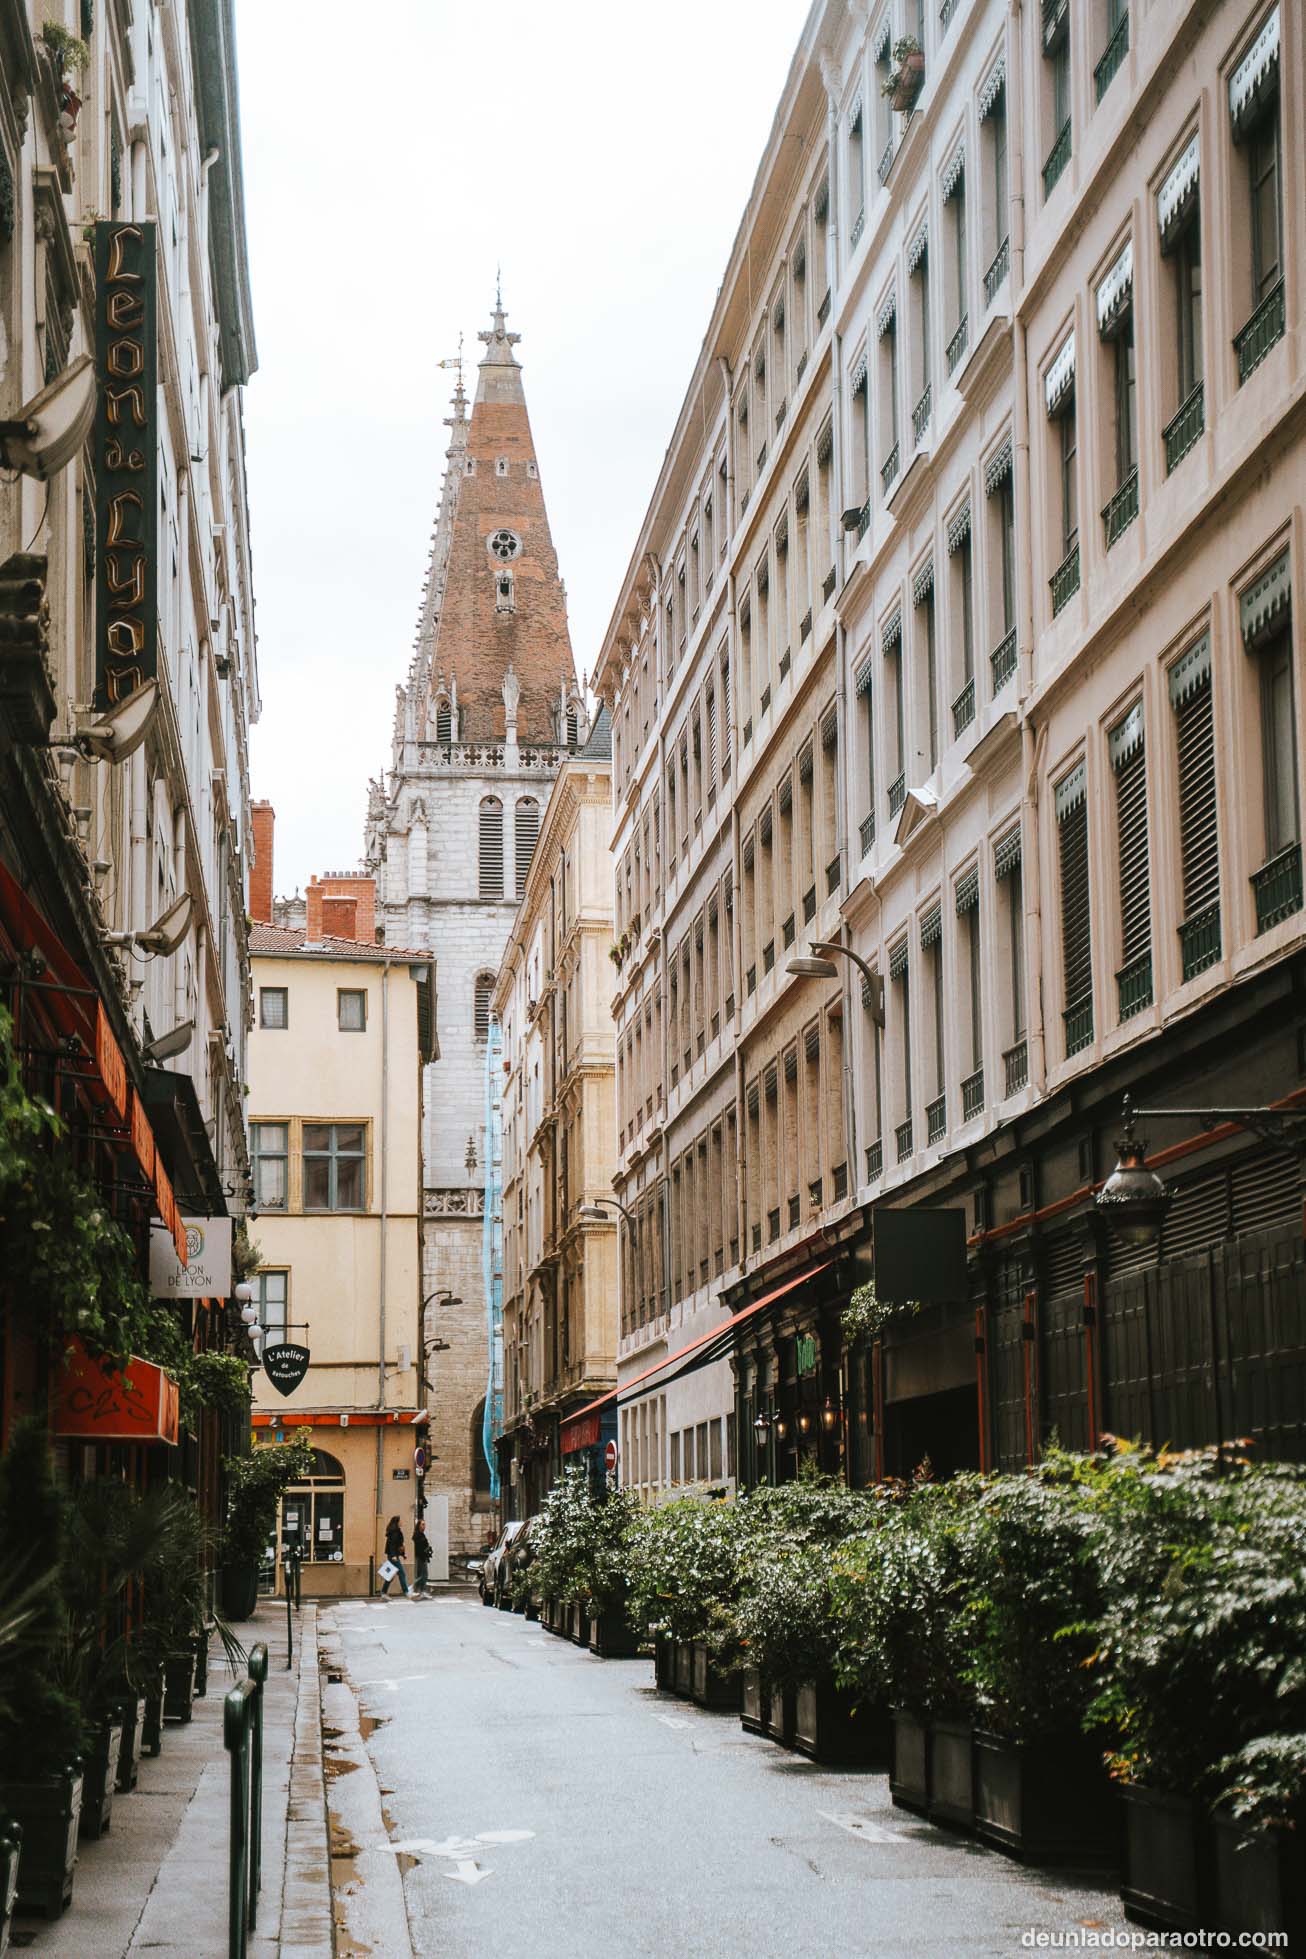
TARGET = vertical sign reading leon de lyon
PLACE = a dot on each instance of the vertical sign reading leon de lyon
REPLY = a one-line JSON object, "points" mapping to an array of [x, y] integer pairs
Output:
{"points": [[126, 462]]}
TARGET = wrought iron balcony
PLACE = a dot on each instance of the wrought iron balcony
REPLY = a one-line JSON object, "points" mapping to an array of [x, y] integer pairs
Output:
{"points": [[1002, 661], [897, 794], [957, 344], [936, 1118], [805, 626], [1278, 888], [1180, 434], [1264, 328], [997, 272], [827, 583], [1078, 1025], [963, 708], [1120, 512], [1015, 1065], [946, 11], [1134, 985], [874, 1161], [1058, 158], [885, 164], [839, 1182], [972, 1095], [902, 1137], [868, 832], [1114, 53], [920, 416], [1199, 940], [889, 470], [863, 520], [859, 226], [1065, 580]]}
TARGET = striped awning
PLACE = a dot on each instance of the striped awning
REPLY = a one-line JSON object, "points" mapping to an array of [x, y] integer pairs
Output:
{"points": [[1006, 853], [966, 891], [998, 468], [855, 111], [899, 959], [932, 926], [1190, 670], [1178, 193], [992, 87], [954, 171], [923, 583], [959, 529], [885, 317], [825, 443], [920, 244], [1127, 736], [1116, 291], [1061, 375], [1255, 75], [821, 202], [863, 677], [891, 632], [857, 380], [830, 727], [1070, 792], [1265, 603], [881, 38]]}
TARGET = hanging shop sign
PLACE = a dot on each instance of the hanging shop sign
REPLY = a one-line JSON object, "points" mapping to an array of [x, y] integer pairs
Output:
{"points": [[805, 1353], [101, 1401], [285, 1366], [206, 1273], [126, 462]]}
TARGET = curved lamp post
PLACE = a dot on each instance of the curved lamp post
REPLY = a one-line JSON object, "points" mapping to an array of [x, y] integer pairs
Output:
{"points": [[1134, 1200], [817, 963]]}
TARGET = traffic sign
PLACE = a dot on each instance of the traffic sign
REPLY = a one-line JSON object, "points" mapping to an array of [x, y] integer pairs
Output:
{"points": [[610, 1457]]}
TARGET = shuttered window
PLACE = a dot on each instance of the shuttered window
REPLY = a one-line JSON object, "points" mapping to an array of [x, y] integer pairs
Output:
{"points": [[1129, 763], [526, 831], [1076, 924], [491, 848], [1199, 840], [711, 740], [481, 1017], [725, 719]]}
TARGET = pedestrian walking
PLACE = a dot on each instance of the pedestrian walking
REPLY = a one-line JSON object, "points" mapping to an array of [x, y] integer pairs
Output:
{"points": [[421, 1556], [394, 1558]]}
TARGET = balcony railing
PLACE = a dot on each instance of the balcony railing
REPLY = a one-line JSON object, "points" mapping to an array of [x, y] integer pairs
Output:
{"points": [[1065, 580], [859, 226], [920, 417], [946, 11], [936, 1118], [1002, 661], [997, 272], [1260, 333], [1015, 1066], [1134, 986], [805, 626], [889, 470], [801, 369], [1199, 940], [827, 583], [902, 1137], [885, 164], [1058, 158], [972, 1095], [1180, 434], [832, 876], [874, 1161], [963, 708], [823, 310], [897, 794], [1121, 510], [868, 832], [1114, 53], [957, 344], [863, 520], [1079, 1025], [1278, 888], [839, 1181]]}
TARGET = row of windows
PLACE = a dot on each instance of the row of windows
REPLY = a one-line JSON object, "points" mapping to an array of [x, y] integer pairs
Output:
{"points": [[703, 1452], [351, 1009]]}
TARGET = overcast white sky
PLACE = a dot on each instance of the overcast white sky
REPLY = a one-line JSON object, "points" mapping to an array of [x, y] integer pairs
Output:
{"points": [[393, 154]]}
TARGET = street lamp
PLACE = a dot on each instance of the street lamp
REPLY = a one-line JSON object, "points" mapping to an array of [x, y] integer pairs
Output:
{"points": [[597, 1212], [817, 963], [1134, 1200], [762, 1428]]}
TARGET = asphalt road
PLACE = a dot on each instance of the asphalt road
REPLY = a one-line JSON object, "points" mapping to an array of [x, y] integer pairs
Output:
{"points": [[543, 1803]]}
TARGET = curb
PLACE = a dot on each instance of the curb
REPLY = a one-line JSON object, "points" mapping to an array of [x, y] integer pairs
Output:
{"points": [[370, 1912], [306, 1919]]}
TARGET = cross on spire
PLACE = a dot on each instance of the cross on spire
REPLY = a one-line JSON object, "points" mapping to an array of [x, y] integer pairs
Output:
{"points": [[498, 342]]}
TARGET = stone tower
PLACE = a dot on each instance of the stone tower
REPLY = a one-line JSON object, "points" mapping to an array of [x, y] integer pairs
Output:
{"points": [[489, 710]]}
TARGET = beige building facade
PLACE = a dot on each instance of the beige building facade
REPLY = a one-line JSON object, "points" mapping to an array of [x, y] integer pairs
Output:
{"points": [[341, 1034], [551, 999], [960, 634]]}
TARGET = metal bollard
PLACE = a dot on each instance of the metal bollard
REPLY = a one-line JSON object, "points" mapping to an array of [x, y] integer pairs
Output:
{"points": [[242, 1736], [291, 1559]]}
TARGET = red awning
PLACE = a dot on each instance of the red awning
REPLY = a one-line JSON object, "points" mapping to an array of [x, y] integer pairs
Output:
{"points": [[98, 1402]]}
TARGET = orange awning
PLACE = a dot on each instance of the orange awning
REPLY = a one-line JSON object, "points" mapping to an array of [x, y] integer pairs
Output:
{"points": [[98, 1402]]}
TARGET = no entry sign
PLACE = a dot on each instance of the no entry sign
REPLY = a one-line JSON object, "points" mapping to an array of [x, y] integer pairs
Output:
{"points": [[610, 1456]]}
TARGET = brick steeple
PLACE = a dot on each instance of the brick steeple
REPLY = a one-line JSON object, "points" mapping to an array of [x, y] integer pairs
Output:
{"points": [[496, 602]]}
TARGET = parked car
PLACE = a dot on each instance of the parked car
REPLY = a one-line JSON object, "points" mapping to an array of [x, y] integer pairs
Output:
{"points": [[488, 1580], [513, 1558]]}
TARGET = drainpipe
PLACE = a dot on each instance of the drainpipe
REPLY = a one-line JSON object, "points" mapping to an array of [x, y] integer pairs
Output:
{"points": [[385, 1164]]}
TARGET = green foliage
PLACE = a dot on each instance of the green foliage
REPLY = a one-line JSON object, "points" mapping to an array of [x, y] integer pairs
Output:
{"points": [[40, 1722], [786, 1618], [246, 1256], [255, 1483], [1264, 1784], [213, 1380], [67, 50], [580, 1543], [686, 1569], [866, 1315]]}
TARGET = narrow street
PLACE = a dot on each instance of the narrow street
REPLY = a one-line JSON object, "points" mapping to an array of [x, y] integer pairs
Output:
{"points": [[544, 1801]]}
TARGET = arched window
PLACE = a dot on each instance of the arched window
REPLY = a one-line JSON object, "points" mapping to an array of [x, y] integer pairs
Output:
{"points": [[480, 1467], [484, 992], [526, 831], [491, 839], [443, 721]]}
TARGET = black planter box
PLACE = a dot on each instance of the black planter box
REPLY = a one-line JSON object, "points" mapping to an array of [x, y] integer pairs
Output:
{"points": [[129, 1753], [952, 1774], [909, 1778], [682, 1681], [152, 1720], [49, 1812], [99, 1778], [712, 1687], [179, 1686], [11, 1843], [664, 1663], [202, 1662], [580, 1625], [1260, 1880], [1047, 1801], [239, 1590], [831, 1726], [612, 1636], [754, 1702], [781, 1714], [1165, 1860]]}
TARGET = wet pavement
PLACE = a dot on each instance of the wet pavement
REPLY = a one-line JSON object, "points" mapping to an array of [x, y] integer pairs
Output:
{"points": [[540, 1801]]}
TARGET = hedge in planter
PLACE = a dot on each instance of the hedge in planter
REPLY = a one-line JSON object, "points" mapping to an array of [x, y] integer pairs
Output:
{"points": [[685, 1573], [580, 1556], [256, 1482]]}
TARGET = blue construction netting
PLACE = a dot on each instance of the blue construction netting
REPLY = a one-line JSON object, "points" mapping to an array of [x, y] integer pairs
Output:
{"points": [[492, 1253]]}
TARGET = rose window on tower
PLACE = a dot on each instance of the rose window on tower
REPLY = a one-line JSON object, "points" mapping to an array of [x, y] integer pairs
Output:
{"points": [[505, 545]]}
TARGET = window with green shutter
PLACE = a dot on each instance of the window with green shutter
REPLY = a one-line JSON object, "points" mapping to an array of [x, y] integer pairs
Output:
{"points": [[1190, 698], [1071, 803], [1129, 766]]}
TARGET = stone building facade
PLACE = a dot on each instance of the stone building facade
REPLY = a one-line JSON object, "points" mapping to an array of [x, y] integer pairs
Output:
{"points": [[489, 710], [1045, 785]]}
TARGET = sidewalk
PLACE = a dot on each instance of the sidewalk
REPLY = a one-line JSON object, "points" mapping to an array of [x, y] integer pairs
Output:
{"points": [[157, 1882]]}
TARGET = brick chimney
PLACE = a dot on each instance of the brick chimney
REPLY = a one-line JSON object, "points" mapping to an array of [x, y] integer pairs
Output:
{"points": [[263, 820], [341, 906]]}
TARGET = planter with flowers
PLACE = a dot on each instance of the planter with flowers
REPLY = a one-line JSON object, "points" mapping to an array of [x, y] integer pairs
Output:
{"points": [[907, 77]]}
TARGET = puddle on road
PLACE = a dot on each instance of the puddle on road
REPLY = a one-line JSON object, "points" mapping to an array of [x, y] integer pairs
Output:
{"points": [[369, 1723]]}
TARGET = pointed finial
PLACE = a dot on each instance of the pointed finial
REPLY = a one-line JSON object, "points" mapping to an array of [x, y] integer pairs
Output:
{"points": [[498, 288]]}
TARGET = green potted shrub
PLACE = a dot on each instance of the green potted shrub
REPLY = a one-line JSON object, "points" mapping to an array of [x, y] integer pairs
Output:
{"points": [[1259, 1824], [1041, 1789], [685, 1578], [256, 1482], [40, 1722]]}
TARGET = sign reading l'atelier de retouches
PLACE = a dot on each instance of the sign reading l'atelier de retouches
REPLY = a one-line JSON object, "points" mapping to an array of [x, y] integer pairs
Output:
{"points": [[126, 462], [285, 1365]]}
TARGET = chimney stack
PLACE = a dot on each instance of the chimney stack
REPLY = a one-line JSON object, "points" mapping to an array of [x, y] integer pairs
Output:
{"points": [[263, 818]]}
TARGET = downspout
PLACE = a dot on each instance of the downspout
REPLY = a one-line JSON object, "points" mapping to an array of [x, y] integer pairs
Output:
{"points": [[385, 1165]]}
